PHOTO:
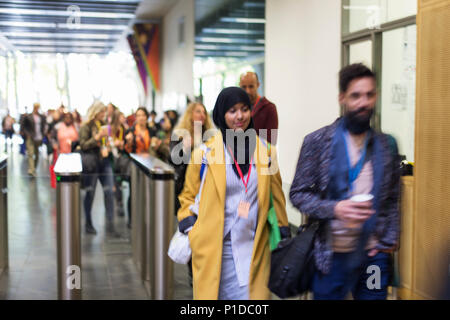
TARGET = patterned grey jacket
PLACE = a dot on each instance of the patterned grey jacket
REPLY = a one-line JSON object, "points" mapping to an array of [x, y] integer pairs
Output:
{"points": [[309, 189]]}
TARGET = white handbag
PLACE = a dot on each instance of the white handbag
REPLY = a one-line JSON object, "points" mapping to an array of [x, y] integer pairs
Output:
{"points": [[179, 248]]}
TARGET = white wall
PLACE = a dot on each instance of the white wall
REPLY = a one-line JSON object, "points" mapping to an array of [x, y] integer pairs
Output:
{"points": [[302, 63], [176, 61]]}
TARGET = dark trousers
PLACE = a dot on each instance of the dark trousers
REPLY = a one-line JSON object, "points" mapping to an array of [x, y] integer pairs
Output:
{"points": [[8, 134], [118, 192], [332, 286], [106, 177]]}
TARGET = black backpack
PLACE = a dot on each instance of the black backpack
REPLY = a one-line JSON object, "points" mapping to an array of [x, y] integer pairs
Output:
{"points": [[292, 263]]}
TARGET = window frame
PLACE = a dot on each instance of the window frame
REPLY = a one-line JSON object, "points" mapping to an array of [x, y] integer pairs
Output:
{"points": [[376, 36]]}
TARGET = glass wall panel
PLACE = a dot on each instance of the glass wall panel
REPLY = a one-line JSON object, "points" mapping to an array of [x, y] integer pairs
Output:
{"points": [[398, 87], [370, 14], [399, 9], [229, 40], [361, 52]]}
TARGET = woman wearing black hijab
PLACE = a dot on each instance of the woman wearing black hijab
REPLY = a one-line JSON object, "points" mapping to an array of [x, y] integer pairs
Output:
{"points": [[232, 115], [227, 227]]}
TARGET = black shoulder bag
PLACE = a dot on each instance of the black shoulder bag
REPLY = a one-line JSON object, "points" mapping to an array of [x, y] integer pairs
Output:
{"points": [[292, 263]]}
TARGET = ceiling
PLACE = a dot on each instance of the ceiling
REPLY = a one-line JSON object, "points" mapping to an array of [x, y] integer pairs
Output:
{"points": [[154, 9], [229, 28], [65, 26], [224, 28], [151, 11]]}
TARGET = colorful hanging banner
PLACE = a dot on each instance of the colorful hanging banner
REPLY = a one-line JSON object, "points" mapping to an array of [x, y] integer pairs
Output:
{"points": [[147, 38], [139, 62]]}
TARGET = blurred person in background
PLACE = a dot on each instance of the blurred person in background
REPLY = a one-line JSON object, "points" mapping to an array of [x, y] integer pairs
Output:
{"points": [[181, 145], [131, 119], [63, 137], [110, 109], [51, 141], [8, 129], [123, 121], [77, 119], [337, 162], [34, 129], [264, 112], [67, 133], [172, 114], [119, 129], [62, 109], [154, 126], [160, 146], [121, 160], [54, 118], [138, 136], [137, 140], [96, 155], [21, 132]]}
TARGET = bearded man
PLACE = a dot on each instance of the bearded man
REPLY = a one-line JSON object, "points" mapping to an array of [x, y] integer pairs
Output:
{"points": [[352, 248]]}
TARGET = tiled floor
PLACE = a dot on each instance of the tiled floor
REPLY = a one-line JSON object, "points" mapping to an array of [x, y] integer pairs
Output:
{"points": [[108, 271]]}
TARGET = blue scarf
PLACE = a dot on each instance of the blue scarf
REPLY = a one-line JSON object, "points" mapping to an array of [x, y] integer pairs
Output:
{"points": [[339, 188]]}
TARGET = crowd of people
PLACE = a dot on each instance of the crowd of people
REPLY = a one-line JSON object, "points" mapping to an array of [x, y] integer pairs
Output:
{"points": [[104, 139], [224, 208]]}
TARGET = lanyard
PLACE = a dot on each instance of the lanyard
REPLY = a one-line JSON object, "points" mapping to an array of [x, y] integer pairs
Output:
{"points": [[99, 126], [121, 134], [240, 172], [256, 103], [353, 172]]}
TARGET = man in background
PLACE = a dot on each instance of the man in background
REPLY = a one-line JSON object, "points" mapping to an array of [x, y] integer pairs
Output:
{"points": [[34, 128], [22, 134], [264, 112]]}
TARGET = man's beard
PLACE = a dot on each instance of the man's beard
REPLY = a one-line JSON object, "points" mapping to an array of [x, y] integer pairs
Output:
{"points": [[356, 123]]}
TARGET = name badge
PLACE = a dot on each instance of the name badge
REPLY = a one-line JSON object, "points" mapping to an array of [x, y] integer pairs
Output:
{"points": [[243, 209]]}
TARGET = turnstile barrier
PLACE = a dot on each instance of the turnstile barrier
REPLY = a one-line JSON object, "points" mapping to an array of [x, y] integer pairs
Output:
{"points": [[68, 171], [152, 216]]}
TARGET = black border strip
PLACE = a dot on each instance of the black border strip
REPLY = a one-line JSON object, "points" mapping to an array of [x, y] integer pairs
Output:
{"points": [[4, 163], [74, 178], [161, 176]]}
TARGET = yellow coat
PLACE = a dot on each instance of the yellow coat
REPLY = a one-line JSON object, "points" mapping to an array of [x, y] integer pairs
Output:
{"points": [[206, 236]]}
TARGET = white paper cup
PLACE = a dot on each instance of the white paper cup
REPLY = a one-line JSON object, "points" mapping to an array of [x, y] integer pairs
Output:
{"points": [[359, 198], [362, 197]]}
